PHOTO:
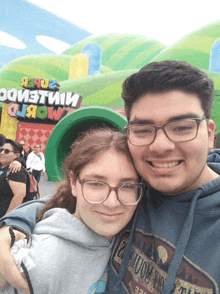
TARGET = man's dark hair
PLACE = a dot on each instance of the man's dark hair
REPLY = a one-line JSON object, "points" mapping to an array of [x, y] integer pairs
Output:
{"points": [[165, 76]]}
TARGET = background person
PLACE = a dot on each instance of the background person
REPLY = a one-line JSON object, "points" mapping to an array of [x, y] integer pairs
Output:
{"points": [[13, 190], [173, 245], [2, 140], [36, 162], [29, 150], [24, 153], [100, 195], [16, 164]]}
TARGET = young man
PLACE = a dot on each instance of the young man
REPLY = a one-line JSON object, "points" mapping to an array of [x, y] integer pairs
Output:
{"points": [[172, 246]]}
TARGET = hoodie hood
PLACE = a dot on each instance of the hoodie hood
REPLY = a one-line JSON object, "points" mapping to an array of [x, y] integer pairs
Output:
{"points": [[67, 256], [214, 160], [60, 223]]}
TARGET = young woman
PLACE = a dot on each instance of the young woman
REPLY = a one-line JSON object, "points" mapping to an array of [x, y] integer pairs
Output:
{"points": [[71, 243]]}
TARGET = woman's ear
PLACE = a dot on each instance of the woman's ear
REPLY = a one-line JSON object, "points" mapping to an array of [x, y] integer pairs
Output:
{"points": [[72, 183]]}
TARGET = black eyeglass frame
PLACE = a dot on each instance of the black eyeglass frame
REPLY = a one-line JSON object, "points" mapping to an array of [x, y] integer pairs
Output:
{"points": [[198, 120], [82, 182], [6, 151]]}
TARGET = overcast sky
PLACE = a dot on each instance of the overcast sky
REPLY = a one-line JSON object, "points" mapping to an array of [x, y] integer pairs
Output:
{"points": [[164, 20]]}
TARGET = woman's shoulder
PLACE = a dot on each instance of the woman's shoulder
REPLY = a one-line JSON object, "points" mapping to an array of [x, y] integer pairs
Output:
{"points": [[20, 176]]}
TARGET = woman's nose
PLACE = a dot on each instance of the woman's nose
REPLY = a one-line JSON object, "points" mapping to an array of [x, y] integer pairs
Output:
{"points": [[112, 200]]}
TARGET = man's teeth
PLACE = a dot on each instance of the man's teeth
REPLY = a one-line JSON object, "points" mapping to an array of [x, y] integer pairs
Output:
{"points": [[165, 165]]}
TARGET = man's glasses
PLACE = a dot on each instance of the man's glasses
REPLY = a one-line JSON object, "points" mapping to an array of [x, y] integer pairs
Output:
{"points": [[6, 151], [177, 131], [96, 192]]}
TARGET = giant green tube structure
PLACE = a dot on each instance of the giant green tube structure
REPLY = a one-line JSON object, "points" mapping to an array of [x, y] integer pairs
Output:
{"points": [[66, 131]]}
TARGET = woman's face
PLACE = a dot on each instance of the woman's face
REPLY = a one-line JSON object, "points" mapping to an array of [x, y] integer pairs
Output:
{"points": [[6, 159], [109, 217]]}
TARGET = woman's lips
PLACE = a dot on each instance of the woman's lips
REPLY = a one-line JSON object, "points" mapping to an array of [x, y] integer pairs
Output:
{"points": [[109, 215]]}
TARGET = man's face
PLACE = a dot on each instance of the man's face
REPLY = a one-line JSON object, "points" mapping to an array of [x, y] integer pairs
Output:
{"points": [[169, 167]]}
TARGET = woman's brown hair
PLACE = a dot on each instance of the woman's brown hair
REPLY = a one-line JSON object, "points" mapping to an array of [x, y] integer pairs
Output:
{"points": [[84, 150]]}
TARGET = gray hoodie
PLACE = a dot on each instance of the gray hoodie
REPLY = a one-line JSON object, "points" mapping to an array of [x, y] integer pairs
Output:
{"points": [[69, 257]]}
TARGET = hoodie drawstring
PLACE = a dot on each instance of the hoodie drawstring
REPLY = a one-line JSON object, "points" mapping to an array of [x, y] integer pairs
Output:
{"points": [[11, 232], [179, 251], [127, 253], [181, 246]]}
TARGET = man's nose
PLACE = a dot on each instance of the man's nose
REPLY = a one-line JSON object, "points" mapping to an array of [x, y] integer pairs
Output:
{"points": [[161, 143]]}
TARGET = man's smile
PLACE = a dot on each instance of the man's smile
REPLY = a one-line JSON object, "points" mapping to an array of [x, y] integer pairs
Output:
{"points": [[170, 164]]}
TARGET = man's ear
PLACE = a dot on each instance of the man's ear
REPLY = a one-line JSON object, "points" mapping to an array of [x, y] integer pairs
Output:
{"points": [[211, 133], [72, 183]]}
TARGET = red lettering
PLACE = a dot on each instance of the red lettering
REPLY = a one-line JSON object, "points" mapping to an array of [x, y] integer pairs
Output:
{"points": [[37, 83]]}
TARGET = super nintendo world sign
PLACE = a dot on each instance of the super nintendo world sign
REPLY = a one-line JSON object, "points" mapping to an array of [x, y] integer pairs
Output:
{"points": [[39, 99]]}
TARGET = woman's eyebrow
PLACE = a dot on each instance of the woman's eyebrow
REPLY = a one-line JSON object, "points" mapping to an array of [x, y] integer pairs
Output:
{"points": [[102, 178], [128, 180], [96, 176]]}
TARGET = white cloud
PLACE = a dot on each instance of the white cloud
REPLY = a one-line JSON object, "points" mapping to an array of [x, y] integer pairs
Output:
{"points": [[166, 21], [52, 44], [10, 41]]}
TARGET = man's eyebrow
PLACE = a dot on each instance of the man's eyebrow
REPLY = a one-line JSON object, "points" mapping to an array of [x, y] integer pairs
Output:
{"points": [[141, 121], [138, 121], [184, 116]]}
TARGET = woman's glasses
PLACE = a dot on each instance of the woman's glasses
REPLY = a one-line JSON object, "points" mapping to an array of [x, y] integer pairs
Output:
{"points": [[6, 151], [96, 192]]}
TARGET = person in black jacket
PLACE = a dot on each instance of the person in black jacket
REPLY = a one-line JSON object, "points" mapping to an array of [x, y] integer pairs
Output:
{"points": [[24, 153], [2, 139]]}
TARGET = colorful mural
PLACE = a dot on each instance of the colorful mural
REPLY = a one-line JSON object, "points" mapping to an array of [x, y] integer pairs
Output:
{"points": [[38, 90]]}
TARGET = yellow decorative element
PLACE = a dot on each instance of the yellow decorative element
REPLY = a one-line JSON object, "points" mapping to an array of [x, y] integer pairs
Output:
{"points": [[24, 82], [8, 124], [31, 111], [79, 67]]}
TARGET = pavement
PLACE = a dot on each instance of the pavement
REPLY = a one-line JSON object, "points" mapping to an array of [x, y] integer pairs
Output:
{"points": [[46, 187]]}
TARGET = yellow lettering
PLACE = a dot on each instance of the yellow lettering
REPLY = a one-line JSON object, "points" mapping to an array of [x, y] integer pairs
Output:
{"points": [[45, 84], [31, 111], [24, 82]]}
